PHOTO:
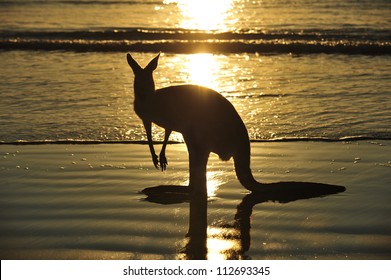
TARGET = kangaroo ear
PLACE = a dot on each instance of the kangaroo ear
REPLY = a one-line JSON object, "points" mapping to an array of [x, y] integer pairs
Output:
{"points": [[133, 64], [152, 65]]}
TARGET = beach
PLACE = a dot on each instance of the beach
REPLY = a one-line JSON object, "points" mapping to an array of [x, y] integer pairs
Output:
{"points": [[61, 201], [310, 80]]}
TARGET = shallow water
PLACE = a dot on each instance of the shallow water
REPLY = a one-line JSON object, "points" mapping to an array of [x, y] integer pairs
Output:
{"points": [[84, 202], [306, 69], [65, 95]]}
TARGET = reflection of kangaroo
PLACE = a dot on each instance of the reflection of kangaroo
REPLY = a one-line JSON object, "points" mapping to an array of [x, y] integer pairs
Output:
{"points": [[207, 121], [196, 248]]}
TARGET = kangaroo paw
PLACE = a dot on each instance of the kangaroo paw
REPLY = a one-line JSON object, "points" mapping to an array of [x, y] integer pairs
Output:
{"points": [[163, 162]]}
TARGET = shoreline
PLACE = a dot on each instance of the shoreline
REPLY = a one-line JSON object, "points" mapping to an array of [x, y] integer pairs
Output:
{"points": [[171, 142]]}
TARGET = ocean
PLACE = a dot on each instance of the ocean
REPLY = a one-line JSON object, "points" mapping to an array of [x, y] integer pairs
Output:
{"points": [[294, 70]]}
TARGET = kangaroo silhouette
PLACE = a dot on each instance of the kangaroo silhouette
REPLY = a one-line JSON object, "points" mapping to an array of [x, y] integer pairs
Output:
{"points": [[206, 119]]}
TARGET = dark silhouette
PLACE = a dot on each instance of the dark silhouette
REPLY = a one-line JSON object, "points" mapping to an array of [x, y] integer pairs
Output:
{"points": [[196, 247], [207, 121]]}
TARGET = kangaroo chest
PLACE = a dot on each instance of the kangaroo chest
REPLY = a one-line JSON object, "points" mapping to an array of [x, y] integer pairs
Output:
{"points": [[140, 108]]}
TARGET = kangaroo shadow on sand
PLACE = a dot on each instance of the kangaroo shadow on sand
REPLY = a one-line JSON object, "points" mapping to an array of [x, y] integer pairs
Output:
{"points": [[239, 231]]}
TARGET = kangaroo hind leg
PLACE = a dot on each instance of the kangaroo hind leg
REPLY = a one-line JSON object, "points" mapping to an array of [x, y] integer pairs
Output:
{"points": [[198, 159]]}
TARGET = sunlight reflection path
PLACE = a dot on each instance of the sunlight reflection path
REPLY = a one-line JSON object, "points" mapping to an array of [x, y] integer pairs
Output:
{"points": [[203, 14], [203, 70], [215, 180]]}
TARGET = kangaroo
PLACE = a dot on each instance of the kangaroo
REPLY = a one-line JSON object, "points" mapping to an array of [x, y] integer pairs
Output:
{"points": [[206, 119]]}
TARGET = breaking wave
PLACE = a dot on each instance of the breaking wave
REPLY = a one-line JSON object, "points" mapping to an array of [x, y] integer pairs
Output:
{"points": [[349, 41]]}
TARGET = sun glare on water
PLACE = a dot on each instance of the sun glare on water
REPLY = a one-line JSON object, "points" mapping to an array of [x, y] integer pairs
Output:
{"points": [[203, 14], [222, 243], [202, 70]]}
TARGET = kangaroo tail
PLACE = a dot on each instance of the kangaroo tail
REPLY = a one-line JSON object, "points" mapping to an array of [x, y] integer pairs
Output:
{"points": [[243, 171]]}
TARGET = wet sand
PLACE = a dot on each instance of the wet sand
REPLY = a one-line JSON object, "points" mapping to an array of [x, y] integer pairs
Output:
{"points": [[85, 202]]}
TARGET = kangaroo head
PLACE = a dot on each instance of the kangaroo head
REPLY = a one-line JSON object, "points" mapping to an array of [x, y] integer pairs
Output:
{"points": [[143, 79]]}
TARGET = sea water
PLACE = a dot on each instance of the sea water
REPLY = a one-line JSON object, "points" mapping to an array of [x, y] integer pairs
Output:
{"points": [[293, 70]]}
